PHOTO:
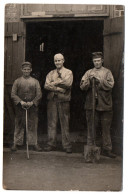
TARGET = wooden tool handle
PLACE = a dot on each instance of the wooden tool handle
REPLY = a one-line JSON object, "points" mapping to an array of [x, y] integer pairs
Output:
{"points": [[93, 108]]}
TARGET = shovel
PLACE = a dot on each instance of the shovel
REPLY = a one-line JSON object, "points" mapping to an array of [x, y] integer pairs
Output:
{"points": [[92, 153]]}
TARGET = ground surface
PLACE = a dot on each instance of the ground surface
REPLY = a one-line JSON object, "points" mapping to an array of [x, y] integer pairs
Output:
{"points": [[60, 171]]}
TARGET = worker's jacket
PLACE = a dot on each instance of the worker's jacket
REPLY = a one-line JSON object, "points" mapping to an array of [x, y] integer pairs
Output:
{"points": [[103, 88], [26, 89], [59, 84]]}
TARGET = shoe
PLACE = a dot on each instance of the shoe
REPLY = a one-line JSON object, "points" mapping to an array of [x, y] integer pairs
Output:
{"points": [[49, 148], [14, 148], [108, 154], [37, 148], [68, 150]]}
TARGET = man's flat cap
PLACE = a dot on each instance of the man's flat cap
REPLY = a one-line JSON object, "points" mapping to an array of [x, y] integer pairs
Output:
{"points": [[26, 64], [97, 54]]}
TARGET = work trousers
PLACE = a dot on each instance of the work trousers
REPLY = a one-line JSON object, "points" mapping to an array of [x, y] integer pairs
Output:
{"points": [[61, 111], [105, 118], [20, 125]]}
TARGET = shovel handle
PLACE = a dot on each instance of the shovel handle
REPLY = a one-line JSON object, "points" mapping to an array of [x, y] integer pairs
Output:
{"points": [[93, 108]]}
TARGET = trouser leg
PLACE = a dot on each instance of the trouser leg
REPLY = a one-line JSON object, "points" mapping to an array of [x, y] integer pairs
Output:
{"points": [[52, 122], [32, 125], [19, 131], [64, 116], [106, 119], [91, 134]]}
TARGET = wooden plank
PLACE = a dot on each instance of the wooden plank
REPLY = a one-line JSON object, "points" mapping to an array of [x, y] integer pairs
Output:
{"points": [[15, 51], [9, 104], [5, 52], [9, 54], [21, 48], [114, 25], [9, 117], [113, 53]]}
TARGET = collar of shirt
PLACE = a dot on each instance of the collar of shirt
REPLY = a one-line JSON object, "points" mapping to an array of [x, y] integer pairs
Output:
{"points": [[61, 70], [98, 69]]}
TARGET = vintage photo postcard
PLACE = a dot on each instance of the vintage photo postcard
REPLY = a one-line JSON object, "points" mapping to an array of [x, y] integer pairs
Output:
{"points": [[63, 97]]}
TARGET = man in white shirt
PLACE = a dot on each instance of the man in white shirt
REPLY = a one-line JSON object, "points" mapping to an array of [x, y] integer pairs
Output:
{"points": [[59, 83]]}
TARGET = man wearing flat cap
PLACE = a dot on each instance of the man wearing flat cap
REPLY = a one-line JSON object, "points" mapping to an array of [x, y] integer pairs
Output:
{"points": [[104, 83], [26, 93], [58, 83]]}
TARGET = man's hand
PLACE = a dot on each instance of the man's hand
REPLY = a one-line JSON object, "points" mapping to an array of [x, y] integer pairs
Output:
{"points": [[29, 104], [23, 103], [97, 80], [61, 90], [58, 81], [26, 105]]}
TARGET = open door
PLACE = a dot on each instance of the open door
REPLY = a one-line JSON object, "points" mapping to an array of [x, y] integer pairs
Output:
{"points": [[14, 56], [113, 60]]}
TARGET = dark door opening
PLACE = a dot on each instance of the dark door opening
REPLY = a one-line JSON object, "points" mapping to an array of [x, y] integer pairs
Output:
{"points": [[76, 40]]}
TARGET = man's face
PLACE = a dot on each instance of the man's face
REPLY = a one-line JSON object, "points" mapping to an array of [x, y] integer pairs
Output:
{"points": [[59, 61], [97, 62], [26, 70]]}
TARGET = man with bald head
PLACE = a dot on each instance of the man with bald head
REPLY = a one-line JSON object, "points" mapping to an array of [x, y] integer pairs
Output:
{"points": [[59, 83]]}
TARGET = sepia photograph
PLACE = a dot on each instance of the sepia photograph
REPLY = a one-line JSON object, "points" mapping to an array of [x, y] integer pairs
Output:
{"points": [[63, 97]]}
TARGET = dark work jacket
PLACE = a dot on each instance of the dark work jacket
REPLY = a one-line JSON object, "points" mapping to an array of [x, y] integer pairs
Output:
{"points": [[103, 89]]}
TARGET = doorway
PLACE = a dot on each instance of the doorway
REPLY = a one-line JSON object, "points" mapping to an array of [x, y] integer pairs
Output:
{"points": [[76, 40]]}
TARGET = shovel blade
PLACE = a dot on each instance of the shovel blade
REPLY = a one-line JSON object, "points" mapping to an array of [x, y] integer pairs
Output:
{"points": [[91, 153]]}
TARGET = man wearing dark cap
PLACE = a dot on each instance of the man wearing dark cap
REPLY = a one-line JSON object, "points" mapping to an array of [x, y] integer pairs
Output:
{"points": [[26, 93], [104, 83]]}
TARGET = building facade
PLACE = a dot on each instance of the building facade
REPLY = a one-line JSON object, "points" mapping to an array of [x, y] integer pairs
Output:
{"points": [[35, 32]]}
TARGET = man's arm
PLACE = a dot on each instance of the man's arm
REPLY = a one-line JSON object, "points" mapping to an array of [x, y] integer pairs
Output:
{"points": [[50, 85], [66, 82], [38, 94], [108, 82], [85, 82], [14, 95]]}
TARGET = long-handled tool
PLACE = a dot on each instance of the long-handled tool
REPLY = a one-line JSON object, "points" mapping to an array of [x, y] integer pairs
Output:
{"points": [[27, 133], [92, 153]]}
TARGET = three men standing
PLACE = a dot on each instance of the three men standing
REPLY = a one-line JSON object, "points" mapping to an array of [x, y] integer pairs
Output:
{"points": [[59, 83], [26, 93]]}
